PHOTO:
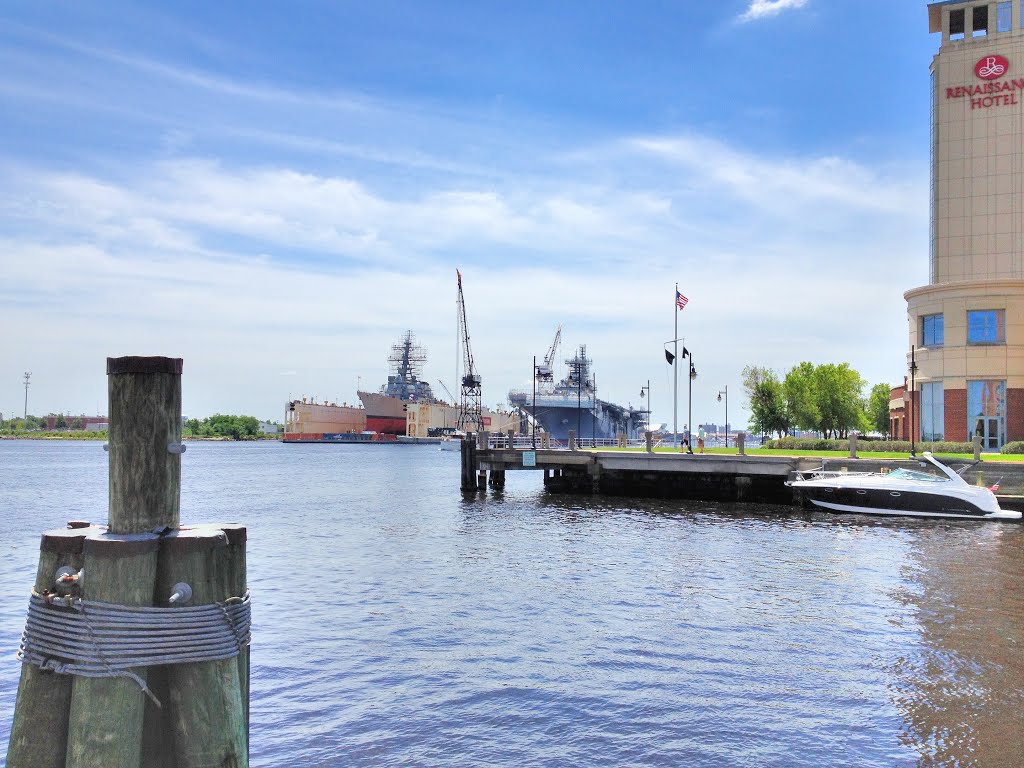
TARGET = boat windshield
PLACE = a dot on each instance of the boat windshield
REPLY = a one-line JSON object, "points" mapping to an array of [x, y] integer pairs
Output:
{"points": [[910, 474]]}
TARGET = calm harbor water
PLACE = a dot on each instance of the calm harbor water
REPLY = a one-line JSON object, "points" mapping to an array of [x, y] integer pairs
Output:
{"points": [[398, 624]]}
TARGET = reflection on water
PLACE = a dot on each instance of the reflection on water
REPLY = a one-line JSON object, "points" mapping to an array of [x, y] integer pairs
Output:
{"points": [[960, 687], [397, 623]]}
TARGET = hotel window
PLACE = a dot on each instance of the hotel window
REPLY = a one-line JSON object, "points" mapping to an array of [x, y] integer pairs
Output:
{"points": [[986, 326], [932, 331], [1004, 17], [956, 24], [932, 412], [980, 21], [986, 412]]}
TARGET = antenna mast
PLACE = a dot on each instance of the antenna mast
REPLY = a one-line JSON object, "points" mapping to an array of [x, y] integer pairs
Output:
{"points": [[28, 375], [470, 410]]}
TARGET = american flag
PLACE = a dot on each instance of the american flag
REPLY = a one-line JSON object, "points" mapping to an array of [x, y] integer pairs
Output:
{"points": [[681, 300]]}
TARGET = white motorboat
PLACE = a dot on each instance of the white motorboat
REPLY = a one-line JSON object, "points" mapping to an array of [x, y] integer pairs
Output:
{"points": [[452, 442], [901, 492]]}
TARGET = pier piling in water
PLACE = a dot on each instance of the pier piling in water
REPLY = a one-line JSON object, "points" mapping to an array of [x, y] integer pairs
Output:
{"points": [[75, 720]]}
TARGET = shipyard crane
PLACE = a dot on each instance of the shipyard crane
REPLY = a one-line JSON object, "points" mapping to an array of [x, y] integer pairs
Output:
{"points": [[445, 387], [545, 371], [471, 408]]}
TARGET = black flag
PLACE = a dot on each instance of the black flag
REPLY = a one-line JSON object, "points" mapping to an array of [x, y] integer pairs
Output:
{"points": [[670, 357]]}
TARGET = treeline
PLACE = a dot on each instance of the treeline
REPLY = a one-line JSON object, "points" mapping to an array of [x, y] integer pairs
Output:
{"points": [[216, 426], [225, 427], [27, 424], [827, 399]]}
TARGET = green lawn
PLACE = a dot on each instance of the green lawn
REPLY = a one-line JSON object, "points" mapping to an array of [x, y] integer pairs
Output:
{"points": [[1008, 457]]}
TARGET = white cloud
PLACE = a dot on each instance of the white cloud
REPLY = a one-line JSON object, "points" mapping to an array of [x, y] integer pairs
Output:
{"points": [[293, 273], [249, 271], [760, 9]]}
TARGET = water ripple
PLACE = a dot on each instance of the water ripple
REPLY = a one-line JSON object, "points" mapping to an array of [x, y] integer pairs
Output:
{"points": [[398, 624]]}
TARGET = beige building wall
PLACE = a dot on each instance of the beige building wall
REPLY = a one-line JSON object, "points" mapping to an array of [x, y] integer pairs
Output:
{"points": [[977, 212], [421, 418]]}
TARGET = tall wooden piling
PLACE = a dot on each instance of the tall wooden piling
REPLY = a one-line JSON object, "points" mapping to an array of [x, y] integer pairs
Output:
{"points": [[469, 463], [84, 721], [144, 400], [145, 440], [44, 698]]}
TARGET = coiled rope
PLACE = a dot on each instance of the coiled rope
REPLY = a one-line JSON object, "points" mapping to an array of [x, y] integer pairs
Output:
{"points": [[72, 636]]}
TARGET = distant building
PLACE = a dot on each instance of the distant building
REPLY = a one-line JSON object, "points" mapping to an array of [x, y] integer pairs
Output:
{"points": [[967, 323], [87, 423], [268, 428]]}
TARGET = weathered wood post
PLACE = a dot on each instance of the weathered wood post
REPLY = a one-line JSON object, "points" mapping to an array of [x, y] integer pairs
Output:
{"points": [[105, 727], [649, 441], [206, 714], [469, 461], [853, 445], [88, 721], [40, 727], [741, 441], [976, 444], [144, 395], [483, 443], [572, 440]]}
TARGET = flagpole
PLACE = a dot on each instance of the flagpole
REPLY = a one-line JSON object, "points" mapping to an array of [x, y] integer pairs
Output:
{"points": [[675, 374]]}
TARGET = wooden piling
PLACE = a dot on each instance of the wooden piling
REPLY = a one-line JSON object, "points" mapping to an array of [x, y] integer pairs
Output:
{"points": [[105, 726], [145, 439], [235, 584], [205, 710], [40, 727], [469, 463], [107, 714]]}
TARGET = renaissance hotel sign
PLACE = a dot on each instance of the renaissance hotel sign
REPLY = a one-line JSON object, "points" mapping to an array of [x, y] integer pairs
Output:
{"points": [[998, 90]]}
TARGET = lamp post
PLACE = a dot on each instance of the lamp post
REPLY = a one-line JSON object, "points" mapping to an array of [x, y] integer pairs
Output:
{"points": [[533, 426], [913, 386], [648, 390], [726, 393], [689, 423]]}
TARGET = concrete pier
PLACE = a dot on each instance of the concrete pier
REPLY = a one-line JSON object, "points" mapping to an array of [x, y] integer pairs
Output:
{"points": [[719, 477]]}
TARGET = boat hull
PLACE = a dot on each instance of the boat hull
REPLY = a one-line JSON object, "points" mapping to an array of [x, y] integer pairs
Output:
{"points": [[900, 502]]}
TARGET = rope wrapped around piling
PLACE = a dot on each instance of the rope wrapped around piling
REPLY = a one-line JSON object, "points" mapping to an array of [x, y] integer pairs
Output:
{"points": [[72, 636]]}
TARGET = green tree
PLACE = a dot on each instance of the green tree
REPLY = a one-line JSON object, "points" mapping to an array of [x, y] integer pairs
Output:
{"points": [[839, 390], [801, 395], [878, 408], [768, 413]]}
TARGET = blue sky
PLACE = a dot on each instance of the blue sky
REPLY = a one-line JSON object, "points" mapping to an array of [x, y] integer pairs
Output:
{"points": [[275, 192]]}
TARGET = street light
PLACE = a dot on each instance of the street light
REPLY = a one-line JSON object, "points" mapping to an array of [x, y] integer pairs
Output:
{"points": [[726, 393], [689, 423], [648, 390], [913, 386]]}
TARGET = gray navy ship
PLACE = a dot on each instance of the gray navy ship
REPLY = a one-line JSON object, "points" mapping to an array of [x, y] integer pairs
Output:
{"points": [[572, 403]]}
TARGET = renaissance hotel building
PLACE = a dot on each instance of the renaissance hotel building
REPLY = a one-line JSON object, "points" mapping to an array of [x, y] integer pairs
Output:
{"points": [[967, 324]]}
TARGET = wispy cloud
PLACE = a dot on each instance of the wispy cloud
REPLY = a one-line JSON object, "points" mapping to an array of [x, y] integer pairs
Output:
{"points": [[760, 9], [255, 218]]}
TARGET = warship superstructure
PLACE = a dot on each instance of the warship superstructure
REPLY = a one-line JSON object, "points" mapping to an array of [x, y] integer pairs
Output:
{"points": [[572, 403]]}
